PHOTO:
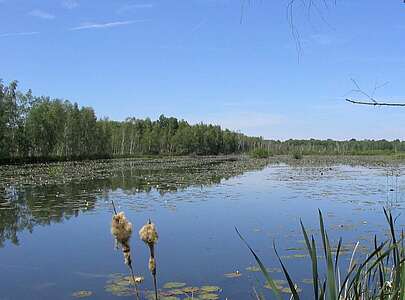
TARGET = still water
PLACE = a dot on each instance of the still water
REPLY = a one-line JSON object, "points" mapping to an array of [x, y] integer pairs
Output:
{"points": [[55, 221]]}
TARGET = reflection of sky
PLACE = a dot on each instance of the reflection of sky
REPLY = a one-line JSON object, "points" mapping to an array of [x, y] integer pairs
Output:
{"points": [[197, 241]]}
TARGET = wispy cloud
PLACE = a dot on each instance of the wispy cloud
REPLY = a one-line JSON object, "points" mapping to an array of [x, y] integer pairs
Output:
{"points": [[70, 4], [133, 7], [18, 33], [105, 25], [41, 14]]}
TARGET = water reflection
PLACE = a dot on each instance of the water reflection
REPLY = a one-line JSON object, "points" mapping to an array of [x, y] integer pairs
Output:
{"points": [[24, 206]]}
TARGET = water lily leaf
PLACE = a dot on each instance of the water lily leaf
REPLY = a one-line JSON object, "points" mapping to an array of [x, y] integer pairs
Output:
{"points": [[173, 285], [257, 269], [209, 296], [279, 283], [121, 285], [190, 289], [287, 290], [210, 288], [82, 294], [233, 274]]}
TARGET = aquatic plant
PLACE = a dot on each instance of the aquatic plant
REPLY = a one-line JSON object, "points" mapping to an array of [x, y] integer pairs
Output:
{"points": [[121, 229], [148, 234], [380, 275]]}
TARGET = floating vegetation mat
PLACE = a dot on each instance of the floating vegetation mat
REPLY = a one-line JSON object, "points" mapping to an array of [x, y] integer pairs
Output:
{"points": [[180, 290], [121, 285]]}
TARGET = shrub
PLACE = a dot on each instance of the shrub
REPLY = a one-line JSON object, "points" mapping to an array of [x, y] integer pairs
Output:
{"points": [[297, 155], [261, 153]]}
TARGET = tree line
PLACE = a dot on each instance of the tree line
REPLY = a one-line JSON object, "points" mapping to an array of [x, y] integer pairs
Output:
{"points": [[40, 128], [333, 147]]}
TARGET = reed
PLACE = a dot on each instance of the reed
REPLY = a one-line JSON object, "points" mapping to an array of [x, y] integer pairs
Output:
{"points": [[379, 275]]}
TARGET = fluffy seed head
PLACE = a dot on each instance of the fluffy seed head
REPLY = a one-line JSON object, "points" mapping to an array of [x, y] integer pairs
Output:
{"points": [[121, 228], [148, 233]]}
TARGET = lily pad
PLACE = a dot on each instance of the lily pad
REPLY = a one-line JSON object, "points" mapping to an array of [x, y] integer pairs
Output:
{"points": [[233, 274], [174, 285], [82, 294], [210, 288], [287, 290], [209, 296], [190, 289], [121, 285]]}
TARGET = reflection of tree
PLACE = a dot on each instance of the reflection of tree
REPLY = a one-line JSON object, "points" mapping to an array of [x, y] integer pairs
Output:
{"points": [[41, 205], [24, 208]]}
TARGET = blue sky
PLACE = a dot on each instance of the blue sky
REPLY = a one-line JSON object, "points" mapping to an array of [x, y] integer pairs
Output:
{"points": [[194, 59]]}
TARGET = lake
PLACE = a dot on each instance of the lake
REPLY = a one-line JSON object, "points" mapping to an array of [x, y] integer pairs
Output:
{"points": [[55, 238]]}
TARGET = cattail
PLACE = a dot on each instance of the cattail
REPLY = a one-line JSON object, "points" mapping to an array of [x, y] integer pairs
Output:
{"points": [[148, 234], [152, 265], [121, 229]]}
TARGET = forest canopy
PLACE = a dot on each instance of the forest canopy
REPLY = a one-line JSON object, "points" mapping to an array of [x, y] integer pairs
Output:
{"points": [[45, 128], [40, 128]]}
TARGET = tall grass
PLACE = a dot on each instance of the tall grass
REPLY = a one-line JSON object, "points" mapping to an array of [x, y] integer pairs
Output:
{"points": [[380, 275]]}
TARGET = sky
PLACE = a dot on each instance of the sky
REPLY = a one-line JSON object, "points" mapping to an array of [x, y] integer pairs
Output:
{"points": [[233, 63]]}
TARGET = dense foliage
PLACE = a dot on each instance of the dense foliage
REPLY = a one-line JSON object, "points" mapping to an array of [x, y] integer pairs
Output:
{"points": [[40, 127], [260, 153], [333, 147]]}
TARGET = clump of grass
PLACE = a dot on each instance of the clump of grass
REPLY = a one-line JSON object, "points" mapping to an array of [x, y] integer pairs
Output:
{"points": [[148, 234], [380, 275], [121, 229], [261, 153]]}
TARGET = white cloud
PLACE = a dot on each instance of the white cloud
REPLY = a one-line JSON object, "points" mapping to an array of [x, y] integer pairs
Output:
{"points": [[41, 14], [18, 33], [104, 25], [70, 4]]}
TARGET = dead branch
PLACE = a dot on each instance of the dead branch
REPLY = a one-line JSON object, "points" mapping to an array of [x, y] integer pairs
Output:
{"points": [[372, 101], [375, 103]]}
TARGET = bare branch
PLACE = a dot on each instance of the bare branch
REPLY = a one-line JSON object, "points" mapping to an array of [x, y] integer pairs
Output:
{"points": [[372, 101], [375, 103]]}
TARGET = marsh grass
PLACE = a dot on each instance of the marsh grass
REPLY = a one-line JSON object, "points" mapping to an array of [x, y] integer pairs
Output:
{"points": [[379, 275]]}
